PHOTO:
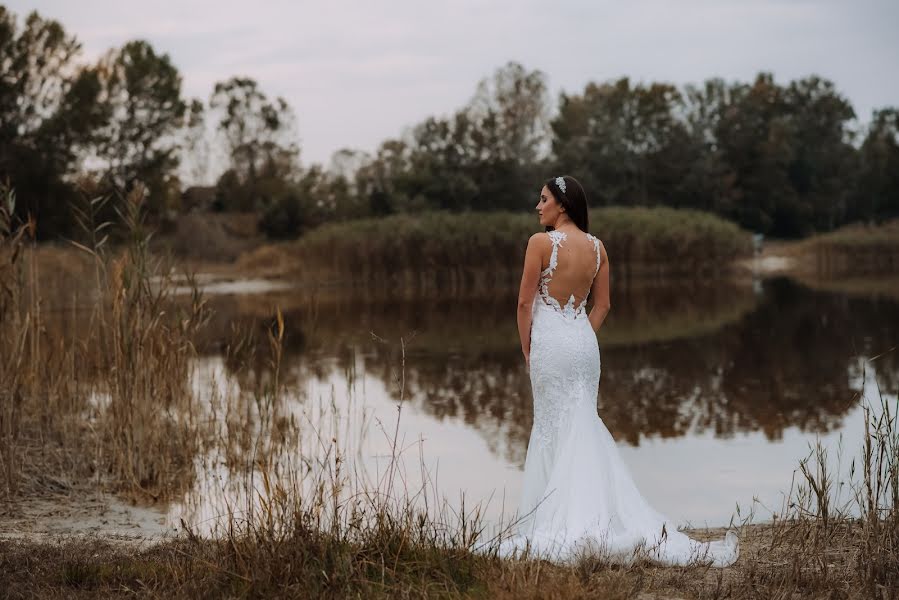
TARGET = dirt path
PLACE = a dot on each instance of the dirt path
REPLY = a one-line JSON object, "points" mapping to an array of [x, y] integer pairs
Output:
{"points": [[81, 513], [86, 513]]}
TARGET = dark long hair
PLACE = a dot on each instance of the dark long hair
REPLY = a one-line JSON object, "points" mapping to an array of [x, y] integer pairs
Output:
{"points": [[574, 199]]}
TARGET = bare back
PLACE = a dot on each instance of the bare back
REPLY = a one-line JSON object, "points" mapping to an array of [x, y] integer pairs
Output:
{"points": [[569, 270]]}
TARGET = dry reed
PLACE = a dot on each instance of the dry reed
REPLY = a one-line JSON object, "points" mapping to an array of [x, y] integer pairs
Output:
{"points": [[310, 525], [487, 249], [853, 250], [113, 401]]}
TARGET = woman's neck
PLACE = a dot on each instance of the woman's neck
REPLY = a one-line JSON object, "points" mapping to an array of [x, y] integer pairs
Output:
{"points": [[563, 224]]}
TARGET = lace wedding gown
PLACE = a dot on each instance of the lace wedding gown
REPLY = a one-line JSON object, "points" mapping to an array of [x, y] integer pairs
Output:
{"points": [[578, 496]]}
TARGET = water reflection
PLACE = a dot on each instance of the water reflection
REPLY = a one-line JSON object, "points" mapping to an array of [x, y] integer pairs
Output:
{"points": [[676, 360], [717, 388]]}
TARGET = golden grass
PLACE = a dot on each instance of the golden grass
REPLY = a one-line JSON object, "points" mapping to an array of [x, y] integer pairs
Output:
{"points": [[855, 250], [103, 404], [302, 542], [310, 527], [473, 249]]}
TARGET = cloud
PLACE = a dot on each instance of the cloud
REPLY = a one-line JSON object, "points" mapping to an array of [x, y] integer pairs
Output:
{"points": [[358, 72]]}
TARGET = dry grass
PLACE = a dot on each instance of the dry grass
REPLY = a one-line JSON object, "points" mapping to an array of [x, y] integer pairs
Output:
{"points": [[856, 250], [209, 237], [111, 403], [117, 405], [487, 249], [302, 544]]}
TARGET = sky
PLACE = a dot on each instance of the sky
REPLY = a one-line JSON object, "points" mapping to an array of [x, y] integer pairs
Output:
{"points": [[358, 72]]}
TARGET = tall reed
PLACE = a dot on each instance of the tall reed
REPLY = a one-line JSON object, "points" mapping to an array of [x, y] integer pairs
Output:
{"points": [[37, 387], [828, 540], [111, 399], [483, 249], [16, 327], [855, 250], [117, 403], [150, 421]]}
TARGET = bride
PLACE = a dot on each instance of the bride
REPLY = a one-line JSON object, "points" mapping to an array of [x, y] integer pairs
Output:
{"points": [[578, 496]]}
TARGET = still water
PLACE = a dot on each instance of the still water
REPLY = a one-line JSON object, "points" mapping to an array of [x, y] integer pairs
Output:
{"points": [[713, 393]]}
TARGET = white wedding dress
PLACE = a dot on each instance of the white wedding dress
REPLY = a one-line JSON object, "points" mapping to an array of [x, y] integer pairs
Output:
{"points": [[578, 496]]}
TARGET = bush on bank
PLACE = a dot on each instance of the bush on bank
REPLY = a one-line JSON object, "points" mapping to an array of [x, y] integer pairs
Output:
{"points": [[657, 239]]}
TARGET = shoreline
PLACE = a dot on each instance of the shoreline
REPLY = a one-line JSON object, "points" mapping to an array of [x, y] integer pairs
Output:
{"points": [[62, 536], [76, 564], [85, 514], [265, 266]]}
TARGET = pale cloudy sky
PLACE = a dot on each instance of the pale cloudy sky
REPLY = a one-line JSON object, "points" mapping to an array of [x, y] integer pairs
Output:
{"points": [[357, 72]]}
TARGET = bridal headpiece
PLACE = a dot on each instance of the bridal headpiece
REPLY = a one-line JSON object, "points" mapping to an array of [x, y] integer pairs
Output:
{"points": [[560, 181]]}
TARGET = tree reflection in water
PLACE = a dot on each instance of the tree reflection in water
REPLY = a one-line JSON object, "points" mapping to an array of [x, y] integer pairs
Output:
{"points": [[676, 359]]}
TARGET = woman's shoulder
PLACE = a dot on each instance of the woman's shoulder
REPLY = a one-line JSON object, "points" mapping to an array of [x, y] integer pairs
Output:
{"points": [[595, 240], [540, 243], [540, 238]]}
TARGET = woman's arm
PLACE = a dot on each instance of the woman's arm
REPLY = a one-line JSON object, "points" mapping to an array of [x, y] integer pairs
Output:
{"points": [[530, 278], [600, 291]]}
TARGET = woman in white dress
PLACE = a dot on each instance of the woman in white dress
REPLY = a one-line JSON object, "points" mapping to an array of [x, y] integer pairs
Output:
{"points": [[578, 496]]}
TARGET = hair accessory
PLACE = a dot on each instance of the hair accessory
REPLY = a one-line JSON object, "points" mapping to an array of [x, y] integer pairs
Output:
{"points": [[560, 181]]}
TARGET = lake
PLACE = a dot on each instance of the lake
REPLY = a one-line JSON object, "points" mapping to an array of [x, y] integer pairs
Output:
{"points": [[714, 392]]}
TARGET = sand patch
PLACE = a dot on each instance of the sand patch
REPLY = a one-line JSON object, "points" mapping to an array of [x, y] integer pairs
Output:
{"points": [[46, 518]]}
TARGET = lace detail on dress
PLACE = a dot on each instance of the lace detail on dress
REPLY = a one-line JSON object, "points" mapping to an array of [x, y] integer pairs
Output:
{"points": [[577, 494], [569, 311], [595, 241], [562, 389], [560, 399]]}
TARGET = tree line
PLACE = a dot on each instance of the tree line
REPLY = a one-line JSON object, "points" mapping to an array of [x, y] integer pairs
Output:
{"points": [[780, 159]]}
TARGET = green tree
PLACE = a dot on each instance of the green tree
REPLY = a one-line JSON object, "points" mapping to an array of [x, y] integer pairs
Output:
{"points": [[48, 107], [440, 167], [709, 183], [194, 143], [823, 168], [314, 198], [877, 196], [789, 151], [625, 142], [143, 109], [503, 137], [345, 200], [756, 135], [515, 101], [259, 138], [381, 179], [487, 155]]}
